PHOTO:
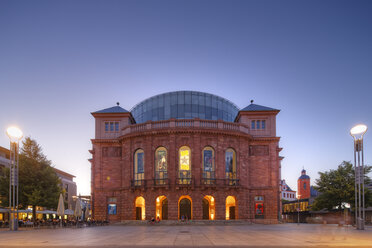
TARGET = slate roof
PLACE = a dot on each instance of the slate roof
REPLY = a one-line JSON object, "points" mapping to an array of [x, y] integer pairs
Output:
{"points": [[304, 177], [256, 107], [289, 189], [116, 109]]}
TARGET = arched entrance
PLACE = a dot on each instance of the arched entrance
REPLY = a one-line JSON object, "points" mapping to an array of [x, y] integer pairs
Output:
{"points": [[208, 208], [230, 208], [162, 207], [184, 208], [140, 208]]}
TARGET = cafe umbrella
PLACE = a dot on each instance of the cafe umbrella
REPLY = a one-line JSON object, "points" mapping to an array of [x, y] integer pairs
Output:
{"points": [[86, 212], [78, 212], [61, 208]]}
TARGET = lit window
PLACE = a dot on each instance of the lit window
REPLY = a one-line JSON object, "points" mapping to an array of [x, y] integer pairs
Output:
{"points": [[185, 165], [253, 125], [208, 162], [230, 166], [139, 163], [161, 166]]}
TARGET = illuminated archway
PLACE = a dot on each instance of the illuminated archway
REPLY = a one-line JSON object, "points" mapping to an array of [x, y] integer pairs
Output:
{"points": [[230, 208], [140, 208], [185, 207], [208, 208], [161, 207]]}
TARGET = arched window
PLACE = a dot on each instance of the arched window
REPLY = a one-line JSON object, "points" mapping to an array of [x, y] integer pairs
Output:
{"points": [[139, 167], [208, 165], [230, 169], [161, 166], [184, 168]]}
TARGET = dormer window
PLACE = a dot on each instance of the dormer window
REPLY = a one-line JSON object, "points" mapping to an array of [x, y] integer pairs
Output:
{"points": [[111, 126]]}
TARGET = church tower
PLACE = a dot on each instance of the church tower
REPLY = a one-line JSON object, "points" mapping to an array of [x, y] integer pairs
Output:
{"points": [[303, 185]]}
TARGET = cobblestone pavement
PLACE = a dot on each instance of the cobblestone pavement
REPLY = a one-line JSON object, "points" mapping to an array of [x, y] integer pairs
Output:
{"points": [[281, 235]]}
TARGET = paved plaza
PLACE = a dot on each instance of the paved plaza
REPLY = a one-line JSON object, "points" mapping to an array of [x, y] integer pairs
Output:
{"points": [[281, 235]]}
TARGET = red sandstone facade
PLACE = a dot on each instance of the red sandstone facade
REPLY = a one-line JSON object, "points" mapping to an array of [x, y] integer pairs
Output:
{"points": [[303, 185], [254, 193]]}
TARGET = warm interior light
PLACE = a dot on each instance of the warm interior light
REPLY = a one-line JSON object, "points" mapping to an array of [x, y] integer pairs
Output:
{"points": [[14, 133], [358, 129]]}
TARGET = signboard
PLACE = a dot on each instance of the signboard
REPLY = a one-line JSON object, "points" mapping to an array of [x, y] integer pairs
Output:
{"points": [[111, 209], [259, 209]]}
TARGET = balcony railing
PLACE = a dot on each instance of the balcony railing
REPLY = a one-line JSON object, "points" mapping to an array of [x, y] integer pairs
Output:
{"points": [[184, 181], [189, 123], [138, 183], [159, 182], [213, 182]]}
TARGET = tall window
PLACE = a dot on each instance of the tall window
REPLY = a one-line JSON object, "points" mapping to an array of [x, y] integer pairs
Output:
{"points": [[230, 163], [139, 167], [184, 165], [161, 165], [208, 163]]}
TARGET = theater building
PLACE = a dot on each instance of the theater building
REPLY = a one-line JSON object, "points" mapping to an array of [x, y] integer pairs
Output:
{"points": [[188, 155]]}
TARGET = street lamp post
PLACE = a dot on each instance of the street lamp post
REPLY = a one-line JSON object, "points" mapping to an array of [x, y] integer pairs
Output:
{"points": [[15, 135], [298, 209], [357, 132]]}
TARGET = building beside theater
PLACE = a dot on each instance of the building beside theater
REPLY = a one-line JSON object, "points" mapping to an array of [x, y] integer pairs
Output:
{"points": [[69, 187], [67, 181], [287, 193], [189, 155]]}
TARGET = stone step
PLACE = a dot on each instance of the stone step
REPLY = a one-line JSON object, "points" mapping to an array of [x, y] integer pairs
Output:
{"points": [[178, 222]]}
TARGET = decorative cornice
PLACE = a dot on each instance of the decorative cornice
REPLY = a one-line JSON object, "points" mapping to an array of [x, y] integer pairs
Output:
{"points": [[95, 141]]}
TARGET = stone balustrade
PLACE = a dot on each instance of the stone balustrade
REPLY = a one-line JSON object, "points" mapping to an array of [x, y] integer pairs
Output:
{"points": [[186, 123]]}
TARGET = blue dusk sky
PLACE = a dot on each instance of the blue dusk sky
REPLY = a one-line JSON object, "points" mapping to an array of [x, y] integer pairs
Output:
{"points": [[61, 60]]}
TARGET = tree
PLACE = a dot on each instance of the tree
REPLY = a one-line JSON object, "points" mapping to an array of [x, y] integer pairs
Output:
{"points": [[39, 185], [337, 187]]}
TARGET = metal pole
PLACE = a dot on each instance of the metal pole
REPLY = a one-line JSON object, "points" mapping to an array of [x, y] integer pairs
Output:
{"points": [[356, 193], [10, 188], [17, 183], [363, 203], [359, 187], [14, 183]]}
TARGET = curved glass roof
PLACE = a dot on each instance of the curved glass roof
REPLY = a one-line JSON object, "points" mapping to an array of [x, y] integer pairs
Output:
{"points": [[184, 105]]}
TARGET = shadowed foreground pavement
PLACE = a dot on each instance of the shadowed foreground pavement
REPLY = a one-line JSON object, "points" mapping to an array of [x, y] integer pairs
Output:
{"points": [[281, 235]]}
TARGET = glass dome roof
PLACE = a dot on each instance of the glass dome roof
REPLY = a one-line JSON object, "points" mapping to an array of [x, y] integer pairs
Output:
{"points": [[184, 105]]}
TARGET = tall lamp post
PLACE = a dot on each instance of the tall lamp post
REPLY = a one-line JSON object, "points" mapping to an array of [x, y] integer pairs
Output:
{"points": [[15, 135], [298, 209], [357, 132]]}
